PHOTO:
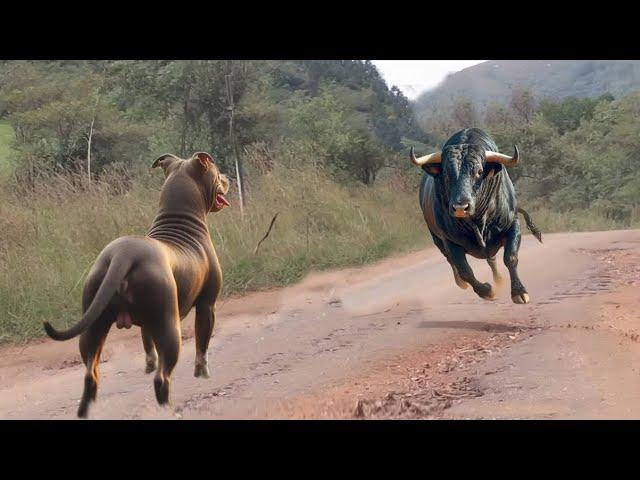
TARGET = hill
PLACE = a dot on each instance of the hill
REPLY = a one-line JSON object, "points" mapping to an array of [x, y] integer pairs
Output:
{"points": [[494, 81]]}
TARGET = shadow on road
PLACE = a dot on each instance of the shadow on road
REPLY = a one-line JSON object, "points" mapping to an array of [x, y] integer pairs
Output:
{"points": [[483, 326]]}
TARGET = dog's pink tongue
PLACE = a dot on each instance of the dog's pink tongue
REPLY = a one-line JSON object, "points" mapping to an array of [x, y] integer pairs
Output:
{"points": [[221, 200]]}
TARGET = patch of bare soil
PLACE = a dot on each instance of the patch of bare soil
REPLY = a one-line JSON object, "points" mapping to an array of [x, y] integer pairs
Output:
{"points": [[434, 388]]}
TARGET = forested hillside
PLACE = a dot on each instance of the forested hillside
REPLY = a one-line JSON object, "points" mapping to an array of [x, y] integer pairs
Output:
{"points": [[339, 113]]}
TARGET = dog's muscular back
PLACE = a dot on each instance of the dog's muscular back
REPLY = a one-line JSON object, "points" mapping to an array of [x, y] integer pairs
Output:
{"points": [[175, 259], [182, 235]]}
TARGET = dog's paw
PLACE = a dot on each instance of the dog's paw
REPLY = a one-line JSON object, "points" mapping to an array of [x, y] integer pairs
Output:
{"points": [[201, 371], [151, 362]]}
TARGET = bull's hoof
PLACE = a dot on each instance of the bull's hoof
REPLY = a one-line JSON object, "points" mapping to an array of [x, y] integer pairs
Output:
{"points": [[201, 371], [486, 291], [461, 283], [521, 298], [150, 367]]}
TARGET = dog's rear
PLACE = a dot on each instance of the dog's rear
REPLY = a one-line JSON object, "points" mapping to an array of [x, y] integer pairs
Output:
{"points": [[128, 268]]}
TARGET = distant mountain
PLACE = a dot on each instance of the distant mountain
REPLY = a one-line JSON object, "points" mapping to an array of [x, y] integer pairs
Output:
{"points": [[493, 81]]}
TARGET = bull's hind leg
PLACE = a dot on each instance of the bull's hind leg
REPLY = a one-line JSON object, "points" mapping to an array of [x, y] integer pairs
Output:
{"points": [[456, 276], [149, 350], [91, 343], [205, 320], [512, 245], [497, 278], [459, 260]]}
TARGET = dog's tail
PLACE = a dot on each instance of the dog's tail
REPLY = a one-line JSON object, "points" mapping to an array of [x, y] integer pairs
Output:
{"points": [[116, 273], [530, 225]]}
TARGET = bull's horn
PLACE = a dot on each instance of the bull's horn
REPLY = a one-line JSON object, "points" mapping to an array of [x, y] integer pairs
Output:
{"points": [[506, 160], [431, 158]]}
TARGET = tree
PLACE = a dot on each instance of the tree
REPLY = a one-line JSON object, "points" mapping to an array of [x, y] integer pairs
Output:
{"points": [[464, 113], [523, 104]]}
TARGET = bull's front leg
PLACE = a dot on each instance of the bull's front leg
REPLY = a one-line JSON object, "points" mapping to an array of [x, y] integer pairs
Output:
{"points": [[456, 276], [459, 260], [512, 245]]}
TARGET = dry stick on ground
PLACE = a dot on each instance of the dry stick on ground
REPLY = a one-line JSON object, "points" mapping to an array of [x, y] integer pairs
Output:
{"points": [[273, 220]]}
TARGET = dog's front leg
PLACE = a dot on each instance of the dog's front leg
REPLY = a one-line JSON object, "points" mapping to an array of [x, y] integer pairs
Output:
{"points": [[205, 320]]}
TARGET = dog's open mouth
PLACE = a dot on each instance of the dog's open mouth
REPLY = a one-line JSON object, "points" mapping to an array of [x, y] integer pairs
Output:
{"points": [[221, 201]]}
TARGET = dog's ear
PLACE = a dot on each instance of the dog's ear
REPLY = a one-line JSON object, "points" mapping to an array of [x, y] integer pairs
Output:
{"points": [[203, 159], [165, 161]]}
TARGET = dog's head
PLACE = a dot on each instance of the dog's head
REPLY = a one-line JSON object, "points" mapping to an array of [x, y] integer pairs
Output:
{"points": [[202, 169]]}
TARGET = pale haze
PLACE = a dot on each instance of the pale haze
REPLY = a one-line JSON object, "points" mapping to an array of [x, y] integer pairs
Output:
{"points": [[414, 77]]}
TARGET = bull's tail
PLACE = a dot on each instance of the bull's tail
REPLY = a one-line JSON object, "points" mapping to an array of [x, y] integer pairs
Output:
{"points": [[116, 273], [530, 225]]}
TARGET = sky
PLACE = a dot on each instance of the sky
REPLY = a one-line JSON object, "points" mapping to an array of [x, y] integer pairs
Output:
{"points": [[414, 77]]}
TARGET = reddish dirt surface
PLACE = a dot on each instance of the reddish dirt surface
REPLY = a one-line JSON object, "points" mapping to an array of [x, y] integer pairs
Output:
{"points": [[396, 339]]}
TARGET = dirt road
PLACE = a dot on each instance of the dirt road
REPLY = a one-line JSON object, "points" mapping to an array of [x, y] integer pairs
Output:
{"points": [[396, 339]]}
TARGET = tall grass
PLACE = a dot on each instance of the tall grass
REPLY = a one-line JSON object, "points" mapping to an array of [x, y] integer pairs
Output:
{"points": [[6, 152], [51, 234], [587, 220]]}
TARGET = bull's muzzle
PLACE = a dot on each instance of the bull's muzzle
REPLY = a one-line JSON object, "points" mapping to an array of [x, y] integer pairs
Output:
{"points": [[461, 209]]}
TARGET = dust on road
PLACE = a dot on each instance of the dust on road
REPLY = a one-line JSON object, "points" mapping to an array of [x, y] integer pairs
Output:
{"points": [[396, 339]]}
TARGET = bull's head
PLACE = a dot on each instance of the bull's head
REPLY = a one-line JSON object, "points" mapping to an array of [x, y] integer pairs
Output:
{"points": [[461, 170]]}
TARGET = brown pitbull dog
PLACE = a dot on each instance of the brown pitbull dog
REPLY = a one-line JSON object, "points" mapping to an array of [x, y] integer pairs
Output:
{"points": [[154, 281]]}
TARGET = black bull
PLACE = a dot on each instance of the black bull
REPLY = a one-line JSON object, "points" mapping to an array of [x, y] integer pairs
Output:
{"points": [[470, 207]]}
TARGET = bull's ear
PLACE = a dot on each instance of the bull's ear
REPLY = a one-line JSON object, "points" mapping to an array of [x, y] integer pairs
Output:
{"points": [[433, 169], [165, 162], [203, 159], [490, 169]]}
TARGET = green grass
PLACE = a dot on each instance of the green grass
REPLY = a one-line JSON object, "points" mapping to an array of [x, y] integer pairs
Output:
{"points": [[49, 238]]}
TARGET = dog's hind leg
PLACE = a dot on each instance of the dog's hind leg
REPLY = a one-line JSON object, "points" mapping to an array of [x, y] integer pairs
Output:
{"points": [[91, 343], [205, 320], [167, 338], [149, 350]]}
